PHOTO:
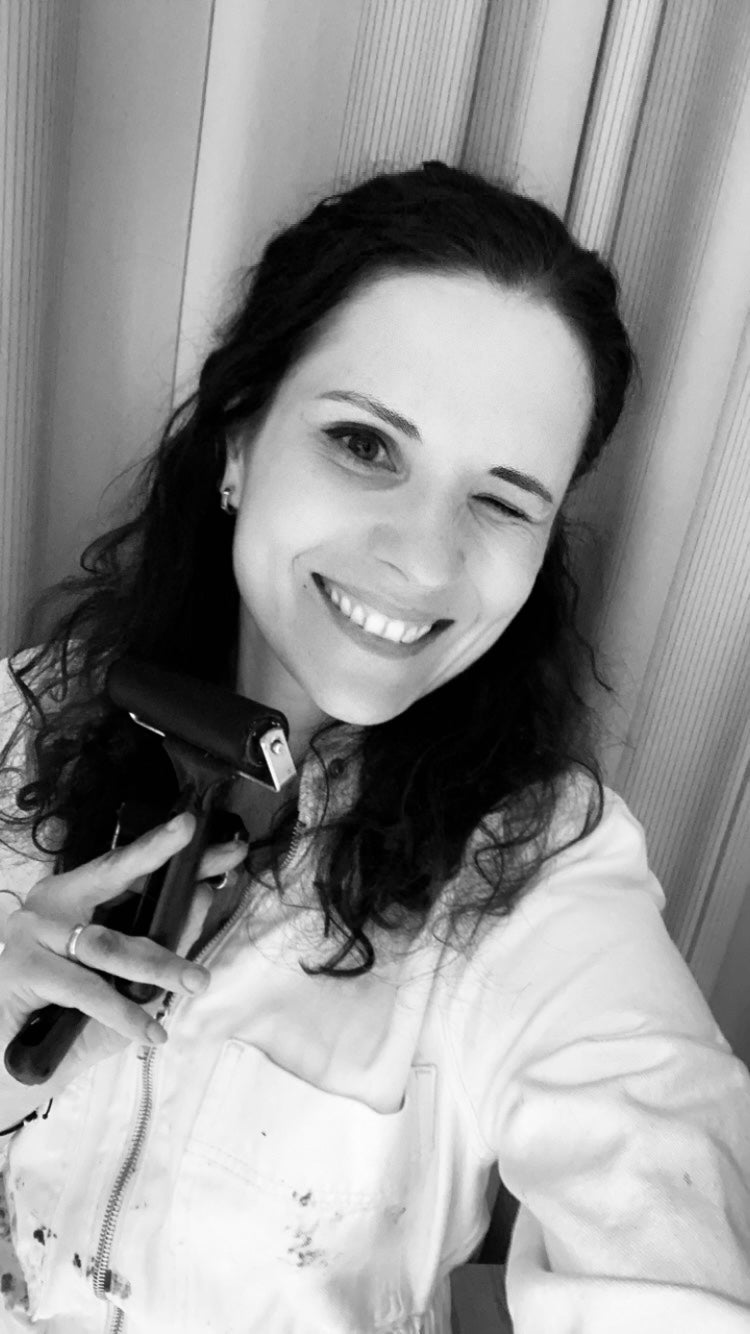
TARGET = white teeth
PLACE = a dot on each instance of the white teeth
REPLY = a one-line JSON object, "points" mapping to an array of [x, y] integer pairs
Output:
{"points": [[412, 636], [374, 622]]}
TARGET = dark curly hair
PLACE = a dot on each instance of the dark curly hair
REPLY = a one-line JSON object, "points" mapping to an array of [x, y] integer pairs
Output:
{"points": [[163, 589]]}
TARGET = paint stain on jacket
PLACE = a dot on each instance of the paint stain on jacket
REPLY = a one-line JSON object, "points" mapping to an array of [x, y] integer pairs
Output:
{"points": [[40, 1234], [303, 1250]]}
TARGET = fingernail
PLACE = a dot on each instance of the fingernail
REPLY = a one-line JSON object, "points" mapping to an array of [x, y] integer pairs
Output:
{"points": [[174, 824], [195, 979]]}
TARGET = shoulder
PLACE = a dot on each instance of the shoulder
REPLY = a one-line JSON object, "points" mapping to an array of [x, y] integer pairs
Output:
{"points": [[582, 978], [595, 852], [608, 854], [585, 948], [586, 927]]}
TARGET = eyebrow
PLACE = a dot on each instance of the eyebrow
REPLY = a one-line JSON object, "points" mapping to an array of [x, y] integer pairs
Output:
{"points": [[407, 428]]}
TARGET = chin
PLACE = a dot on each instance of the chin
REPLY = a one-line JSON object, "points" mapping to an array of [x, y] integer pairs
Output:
{"points": [[360, 712]]}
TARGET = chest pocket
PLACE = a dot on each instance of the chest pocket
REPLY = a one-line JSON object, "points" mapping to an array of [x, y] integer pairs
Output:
{"points": [[281, 1178]]}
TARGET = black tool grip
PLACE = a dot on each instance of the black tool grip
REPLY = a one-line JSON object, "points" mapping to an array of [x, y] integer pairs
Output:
{"points": [[46, 1037]]}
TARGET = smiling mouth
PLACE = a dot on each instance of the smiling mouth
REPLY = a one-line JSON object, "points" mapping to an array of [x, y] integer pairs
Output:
{"points": [[378, 643]]}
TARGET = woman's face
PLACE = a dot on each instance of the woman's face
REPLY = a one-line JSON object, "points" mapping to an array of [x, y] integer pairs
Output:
{"points": [[372, 470]]}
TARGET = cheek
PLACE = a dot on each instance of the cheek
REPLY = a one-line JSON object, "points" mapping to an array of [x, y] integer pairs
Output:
{"points": [[272, 551], [251, 554], [288, 506], [511, 582]]}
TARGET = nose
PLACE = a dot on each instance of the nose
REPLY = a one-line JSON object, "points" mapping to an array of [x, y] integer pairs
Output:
{"points": [[425, 543]]}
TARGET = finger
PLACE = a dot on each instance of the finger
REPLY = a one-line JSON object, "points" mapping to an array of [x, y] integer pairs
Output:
{"points": [[84, 984], [222, 857], [80, 891], [216, 860], [199, 909]]}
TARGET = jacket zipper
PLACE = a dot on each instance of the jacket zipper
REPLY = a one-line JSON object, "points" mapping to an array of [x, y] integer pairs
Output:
{"points": [[102, 1272]]}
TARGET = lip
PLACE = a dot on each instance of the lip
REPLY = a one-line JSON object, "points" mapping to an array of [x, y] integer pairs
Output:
{"points": [[378, 603], [384, 648]]}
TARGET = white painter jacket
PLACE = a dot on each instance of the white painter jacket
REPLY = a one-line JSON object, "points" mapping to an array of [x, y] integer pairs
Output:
{"points": [[310, 1155]]}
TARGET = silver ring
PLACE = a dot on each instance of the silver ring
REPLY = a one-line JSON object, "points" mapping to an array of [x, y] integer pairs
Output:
{"points": [[70, 948], [220, 884]]}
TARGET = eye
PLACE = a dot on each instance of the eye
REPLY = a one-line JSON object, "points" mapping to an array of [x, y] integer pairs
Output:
{"points": [[340, 434], [506, 509]]}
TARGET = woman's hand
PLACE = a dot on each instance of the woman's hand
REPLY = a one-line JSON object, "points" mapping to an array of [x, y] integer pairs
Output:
{"points": [[35, 970]]}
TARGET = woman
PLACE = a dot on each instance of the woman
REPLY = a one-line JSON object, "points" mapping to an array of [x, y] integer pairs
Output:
{"points": [[419, 373]]}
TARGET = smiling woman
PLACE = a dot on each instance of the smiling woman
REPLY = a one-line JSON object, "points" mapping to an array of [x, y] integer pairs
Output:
{"points": [[461, 368], [418, 374]]}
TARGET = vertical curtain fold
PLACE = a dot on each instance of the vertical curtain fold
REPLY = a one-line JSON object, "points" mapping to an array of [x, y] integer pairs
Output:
{"points": [[37, 57]]}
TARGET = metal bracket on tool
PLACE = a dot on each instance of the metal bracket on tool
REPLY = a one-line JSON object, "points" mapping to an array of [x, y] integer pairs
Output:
{"points": [[274, 747]]}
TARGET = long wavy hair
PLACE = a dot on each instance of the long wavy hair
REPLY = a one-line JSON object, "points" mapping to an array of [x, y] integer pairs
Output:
{"points": [[500, 739]]}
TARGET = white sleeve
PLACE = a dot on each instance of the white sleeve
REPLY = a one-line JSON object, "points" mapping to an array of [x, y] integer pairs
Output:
{"points": [[613, 1105]]}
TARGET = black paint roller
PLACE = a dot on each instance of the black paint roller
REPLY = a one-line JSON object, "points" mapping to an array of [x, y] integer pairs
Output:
{"points": [[212, 737]]}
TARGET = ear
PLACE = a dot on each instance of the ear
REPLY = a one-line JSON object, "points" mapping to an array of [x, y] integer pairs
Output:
{"points": [[234, 447], [234, 466], [234, 443], [239, 441]]}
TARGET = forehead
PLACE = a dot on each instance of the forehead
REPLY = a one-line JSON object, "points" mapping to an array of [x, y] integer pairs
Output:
{"points": [[459, 354]]}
